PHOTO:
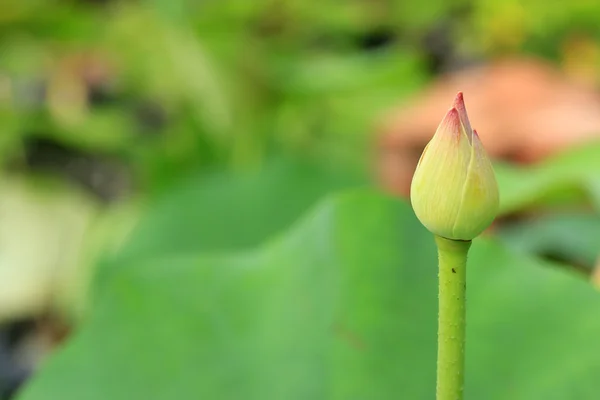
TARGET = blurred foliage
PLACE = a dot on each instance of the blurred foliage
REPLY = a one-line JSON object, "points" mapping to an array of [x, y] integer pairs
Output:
{"points": [[221, 124], [201, 83], [569, 178], [172, 85], [41, 241], [533, 25], [570, 237]]}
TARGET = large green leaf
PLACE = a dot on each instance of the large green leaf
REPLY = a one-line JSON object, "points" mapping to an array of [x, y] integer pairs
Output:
{"points": [[342, 306], [224, 211]]}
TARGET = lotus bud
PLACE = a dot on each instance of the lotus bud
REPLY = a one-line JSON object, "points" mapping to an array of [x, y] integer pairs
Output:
{"points": [[454, 192]]}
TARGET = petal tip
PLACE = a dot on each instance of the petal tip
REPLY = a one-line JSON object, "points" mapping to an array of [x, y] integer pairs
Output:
{"points": [[452, 116], [451, 123], [459, 99], [459, 104]]}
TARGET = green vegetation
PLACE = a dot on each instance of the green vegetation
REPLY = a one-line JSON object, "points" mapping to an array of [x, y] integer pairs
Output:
{"points": [[187, 184]]}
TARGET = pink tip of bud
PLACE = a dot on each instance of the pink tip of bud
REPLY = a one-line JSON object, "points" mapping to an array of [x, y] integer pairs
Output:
{"points": [[459, 99], [459, 104], [451, 123], [475, 133]]}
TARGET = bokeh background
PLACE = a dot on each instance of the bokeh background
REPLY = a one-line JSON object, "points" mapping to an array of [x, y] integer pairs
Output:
{"points": [[208, 199]]}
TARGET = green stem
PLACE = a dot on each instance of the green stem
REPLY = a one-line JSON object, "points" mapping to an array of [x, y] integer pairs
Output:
{"points": [[452, 256]]}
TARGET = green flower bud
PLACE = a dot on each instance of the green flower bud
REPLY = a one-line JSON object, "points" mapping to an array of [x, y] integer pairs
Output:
{"points": [[454, 192]]}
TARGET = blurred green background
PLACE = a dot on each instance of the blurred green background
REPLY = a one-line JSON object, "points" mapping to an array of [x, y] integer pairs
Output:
{"points": [[189, 207]]}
